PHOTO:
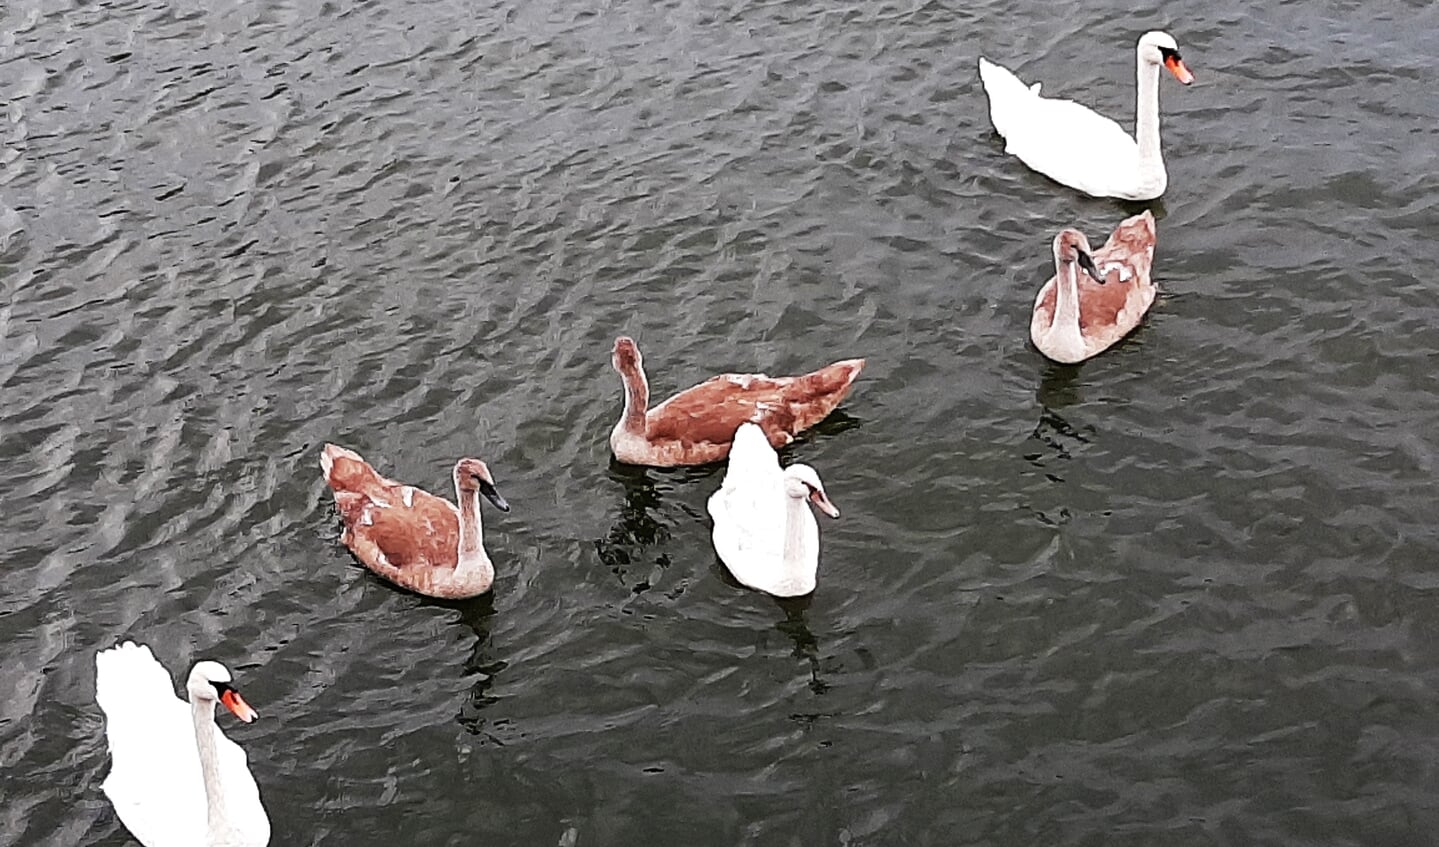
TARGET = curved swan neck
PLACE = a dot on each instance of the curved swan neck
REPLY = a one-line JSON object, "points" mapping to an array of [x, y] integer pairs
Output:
{"points": [[1066, 297], [637, 399], [471, 551], [202, 713], [1146, 114], [795, 512]]}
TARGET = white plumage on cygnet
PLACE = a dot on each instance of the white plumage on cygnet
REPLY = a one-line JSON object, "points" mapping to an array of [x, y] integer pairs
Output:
{"points": [[764, 531], [175, 779]]}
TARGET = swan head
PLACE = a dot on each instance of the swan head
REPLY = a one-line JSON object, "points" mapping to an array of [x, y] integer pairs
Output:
{"points": [[210, 681], [1071, 247], [472, 475], [802, 483], [1160, 48], [626, 356]]}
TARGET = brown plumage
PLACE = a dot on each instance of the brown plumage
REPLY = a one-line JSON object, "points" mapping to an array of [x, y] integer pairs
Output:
{"points": [[409, 536], [1106, 311], [697, 425]]}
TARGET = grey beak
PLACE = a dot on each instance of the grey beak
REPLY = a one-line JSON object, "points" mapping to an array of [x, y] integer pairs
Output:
{"points": [[1088, 264], [488, 489]]}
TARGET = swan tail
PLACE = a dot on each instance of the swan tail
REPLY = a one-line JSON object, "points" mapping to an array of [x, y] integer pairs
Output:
{"points": [[1135, 234], [129, 681], [333, 452], [345, 471], [1008, 95], [813, 396]]}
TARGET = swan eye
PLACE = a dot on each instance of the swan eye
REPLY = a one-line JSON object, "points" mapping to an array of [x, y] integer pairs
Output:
{"points": [[1168, 53], [221, 687]]}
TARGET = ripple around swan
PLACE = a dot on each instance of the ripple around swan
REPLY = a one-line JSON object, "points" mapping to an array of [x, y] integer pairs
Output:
{"points": [[1182, 593]]}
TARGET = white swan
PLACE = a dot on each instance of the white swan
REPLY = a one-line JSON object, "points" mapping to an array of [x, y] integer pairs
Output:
{"points": [[1079, 147], [763, 530], [175, 779]]}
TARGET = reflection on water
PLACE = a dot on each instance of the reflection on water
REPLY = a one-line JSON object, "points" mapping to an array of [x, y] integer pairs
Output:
{"points": [[1058, 384], [806, 646], [1057, 388], [477, 614], [623, 549], [839, 421], [1056, 436]]}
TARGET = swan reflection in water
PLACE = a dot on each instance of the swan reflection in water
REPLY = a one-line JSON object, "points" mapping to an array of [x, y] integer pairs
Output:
{"points": [[1058, 388], [478, 614], [806, 646], [624, 549]]}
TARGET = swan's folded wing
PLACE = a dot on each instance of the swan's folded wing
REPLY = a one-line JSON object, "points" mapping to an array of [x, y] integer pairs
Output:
{"points": [[749, 520], [1132, 246], [1009, 98], [753, 463], [154, 780]]}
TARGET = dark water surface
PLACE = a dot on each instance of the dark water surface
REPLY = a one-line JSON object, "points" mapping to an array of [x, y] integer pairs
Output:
{"points": [[1184, 594]]}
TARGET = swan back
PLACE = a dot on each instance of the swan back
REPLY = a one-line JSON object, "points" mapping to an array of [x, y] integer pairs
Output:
{"points": [[155, 781], [763, 530], [748, 509], [697, 425]]}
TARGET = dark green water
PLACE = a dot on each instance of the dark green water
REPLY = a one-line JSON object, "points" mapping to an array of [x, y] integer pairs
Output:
{"points": [[1184, 594]]}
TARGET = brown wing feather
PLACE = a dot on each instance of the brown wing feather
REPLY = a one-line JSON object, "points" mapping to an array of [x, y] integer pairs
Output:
{"points": [[813, 396], [426, 535], [378, 524], [1132, 245], [714, 409], [710, 412], [351, 473]]}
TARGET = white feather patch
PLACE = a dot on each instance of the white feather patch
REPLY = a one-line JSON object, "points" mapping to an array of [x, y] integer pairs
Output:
{"points": [[1124, 272]]}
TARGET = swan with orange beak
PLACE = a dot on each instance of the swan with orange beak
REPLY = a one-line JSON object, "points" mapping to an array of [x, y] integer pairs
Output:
{"points": [[1076, 146]]}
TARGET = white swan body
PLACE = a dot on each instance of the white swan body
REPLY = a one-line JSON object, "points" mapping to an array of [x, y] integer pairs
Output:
{"points": [[175, 779], [764, 531], [1076, 146]]}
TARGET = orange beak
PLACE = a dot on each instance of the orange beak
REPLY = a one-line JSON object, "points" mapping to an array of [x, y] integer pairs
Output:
{"points": [[1180, 70], [237, 705]]}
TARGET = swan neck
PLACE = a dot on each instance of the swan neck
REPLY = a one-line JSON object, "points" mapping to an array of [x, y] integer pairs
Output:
{"points": [[471, 552], [1146, 115], [1066, 297], [637, 400], [796, 511], [202, 713]]}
